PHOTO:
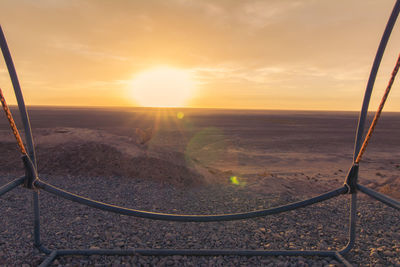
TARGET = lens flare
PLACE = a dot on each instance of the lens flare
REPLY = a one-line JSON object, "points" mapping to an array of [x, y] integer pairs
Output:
{"points": [[207, 145], [180, 115], [212, 147], [236, 181]]}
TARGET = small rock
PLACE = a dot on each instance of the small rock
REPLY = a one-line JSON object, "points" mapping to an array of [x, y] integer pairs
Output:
{"points": [[388, 253], [170, 262], [374, 254], [169, 236], [120, 244], [334, 263], [177, 257]]}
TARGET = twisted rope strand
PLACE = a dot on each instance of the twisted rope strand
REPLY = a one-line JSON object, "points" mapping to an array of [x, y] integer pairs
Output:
{"points": [[378, 112], [12, 123]]}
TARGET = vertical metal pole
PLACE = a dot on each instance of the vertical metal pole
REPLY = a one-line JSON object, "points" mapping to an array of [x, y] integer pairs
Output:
{"points": [[372, 77], [363, 115], [36, 220], [27, 127], [352, 228]]}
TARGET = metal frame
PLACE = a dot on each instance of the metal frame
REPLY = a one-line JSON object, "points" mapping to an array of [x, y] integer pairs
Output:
{"points": [[350, 187]]}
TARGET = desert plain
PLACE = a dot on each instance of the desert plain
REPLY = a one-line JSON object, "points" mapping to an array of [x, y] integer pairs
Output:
{"points": [[200, 161]]}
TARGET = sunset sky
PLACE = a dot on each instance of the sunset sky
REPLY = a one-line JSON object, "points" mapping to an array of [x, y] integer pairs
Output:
{"points": [[271, 54]]}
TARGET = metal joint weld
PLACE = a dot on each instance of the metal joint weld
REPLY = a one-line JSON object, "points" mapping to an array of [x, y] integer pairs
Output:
{"points": [[351, 179], [30, 172]]}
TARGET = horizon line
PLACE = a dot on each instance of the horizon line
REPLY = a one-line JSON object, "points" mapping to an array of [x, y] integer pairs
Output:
{"points": [[205, 108]]}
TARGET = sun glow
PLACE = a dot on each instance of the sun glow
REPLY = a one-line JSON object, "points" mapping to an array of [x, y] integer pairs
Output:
{"points": [[162, 87]]}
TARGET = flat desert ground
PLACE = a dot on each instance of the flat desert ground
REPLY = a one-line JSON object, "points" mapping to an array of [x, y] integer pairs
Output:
{"points": [[200, 161]]}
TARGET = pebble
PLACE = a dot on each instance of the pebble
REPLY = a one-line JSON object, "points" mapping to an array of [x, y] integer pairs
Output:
{"points": [[388, 253], [374, 254], [295, 230], [120, 244]]}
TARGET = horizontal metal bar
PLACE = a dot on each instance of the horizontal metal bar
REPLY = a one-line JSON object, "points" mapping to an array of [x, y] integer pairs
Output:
{"points": [[196, 252], [49, 260], [186, 218], [340, 258], [381, 197], [11, 185]]}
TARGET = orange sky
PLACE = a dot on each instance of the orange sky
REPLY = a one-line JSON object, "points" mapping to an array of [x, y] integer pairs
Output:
{"points": [[300, 54]]}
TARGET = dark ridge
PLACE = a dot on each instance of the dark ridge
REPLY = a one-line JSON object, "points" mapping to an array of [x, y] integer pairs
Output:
{"points": [[100, 160]]}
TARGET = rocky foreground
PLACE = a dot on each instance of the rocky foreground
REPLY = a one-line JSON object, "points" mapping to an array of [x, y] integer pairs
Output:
{"points": [[68, 225]]}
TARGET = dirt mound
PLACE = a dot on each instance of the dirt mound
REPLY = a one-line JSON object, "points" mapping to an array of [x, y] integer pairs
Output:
{"points": [[389, 186], [10, 158], [392, 190], [96, 159]]}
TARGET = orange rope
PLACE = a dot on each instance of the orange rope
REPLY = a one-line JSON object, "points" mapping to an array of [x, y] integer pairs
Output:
{"points": [[12, 123], [378, 112]]}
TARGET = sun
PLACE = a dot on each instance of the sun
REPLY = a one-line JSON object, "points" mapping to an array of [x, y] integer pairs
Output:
{"points": [[162, 87]]}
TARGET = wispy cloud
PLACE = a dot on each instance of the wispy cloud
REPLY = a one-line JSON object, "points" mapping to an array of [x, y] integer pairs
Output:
{"points": [[258, 14], [267, 50], [86, 50]]}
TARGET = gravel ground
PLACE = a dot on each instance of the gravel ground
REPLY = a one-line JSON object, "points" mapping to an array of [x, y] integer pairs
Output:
{"points": [[68, 225]]}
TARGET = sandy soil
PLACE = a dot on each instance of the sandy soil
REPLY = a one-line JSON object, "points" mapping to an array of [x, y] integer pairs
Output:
{"points": [[278, 156]]}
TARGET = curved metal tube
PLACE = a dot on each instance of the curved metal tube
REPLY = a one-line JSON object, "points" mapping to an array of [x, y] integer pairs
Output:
{"points": [[186, 218], [201, 218], [341, 259], [27, 127], [44, 250], [372, 77], [53, 255], [19, 96], [352, 225], [195, 252]]}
